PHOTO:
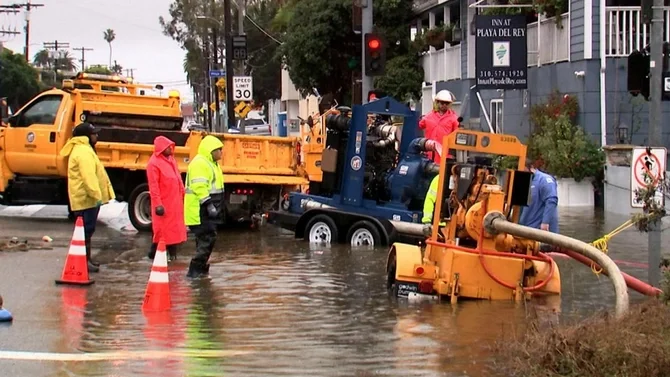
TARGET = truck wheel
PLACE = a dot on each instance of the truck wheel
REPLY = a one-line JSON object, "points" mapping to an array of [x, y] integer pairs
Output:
{"points": [[364, 234], [139, 208], [391, 285], [321, 229]]}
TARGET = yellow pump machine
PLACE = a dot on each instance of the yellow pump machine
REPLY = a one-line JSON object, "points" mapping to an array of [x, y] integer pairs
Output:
{"points": [[461, 259]]}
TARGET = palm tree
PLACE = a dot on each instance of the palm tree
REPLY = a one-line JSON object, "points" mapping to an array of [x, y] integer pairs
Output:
{"points": [[66, 61], [109, 35]]}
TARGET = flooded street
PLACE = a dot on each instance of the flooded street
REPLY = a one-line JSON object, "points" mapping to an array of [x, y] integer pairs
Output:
{"points": [[273, 306]]}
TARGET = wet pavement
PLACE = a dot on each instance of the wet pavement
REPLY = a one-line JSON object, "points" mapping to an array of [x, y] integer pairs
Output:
{"points": [[272, 307]]}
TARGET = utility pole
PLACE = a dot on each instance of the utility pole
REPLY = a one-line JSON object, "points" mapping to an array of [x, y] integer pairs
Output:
{"points": [[655, 121], [28, 6], [229, 64], [83, 55], [215, 48], [3, 32], [55, 46], [366, 27]]}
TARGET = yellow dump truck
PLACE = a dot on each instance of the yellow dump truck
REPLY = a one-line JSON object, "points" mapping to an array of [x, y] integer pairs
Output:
{"points": [[258, 170]]}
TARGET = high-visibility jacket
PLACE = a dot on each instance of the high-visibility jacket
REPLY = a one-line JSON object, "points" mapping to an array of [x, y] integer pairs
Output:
{"points": [[87, 179], [204, 181], [429, 202]]}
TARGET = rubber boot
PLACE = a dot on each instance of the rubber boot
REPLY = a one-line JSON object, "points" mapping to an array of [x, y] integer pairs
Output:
{"points": [[88, 254], [91, 266], [152, 252], [195, 270]]}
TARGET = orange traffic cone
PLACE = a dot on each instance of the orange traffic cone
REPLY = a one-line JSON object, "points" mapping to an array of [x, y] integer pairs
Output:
{"points": [[157, 295], [75, 271]]}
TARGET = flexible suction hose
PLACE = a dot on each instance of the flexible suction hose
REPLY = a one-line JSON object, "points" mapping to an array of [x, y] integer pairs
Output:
{"points": [[495, 223]]}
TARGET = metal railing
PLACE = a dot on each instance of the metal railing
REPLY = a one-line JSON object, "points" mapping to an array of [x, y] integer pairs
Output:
{"points": [[443, 64], [548, 43], [625, 32]]}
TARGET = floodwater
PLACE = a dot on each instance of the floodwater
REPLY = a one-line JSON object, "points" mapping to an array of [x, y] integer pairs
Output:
{"points": [[278, 307]]}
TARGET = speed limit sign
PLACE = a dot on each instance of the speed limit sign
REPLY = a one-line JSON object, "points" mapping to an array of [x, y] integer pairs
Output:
{"points": [[242, 88]]}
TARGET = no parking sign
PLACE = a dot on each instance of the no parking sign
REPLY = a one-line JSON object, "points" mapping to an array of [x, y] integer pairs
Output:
{"points": [[648, 167]]}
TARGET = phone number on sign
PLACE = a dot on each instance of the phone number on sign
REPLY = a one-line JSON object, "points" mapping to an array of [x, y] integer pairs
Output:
{"points": [[501, 81]]}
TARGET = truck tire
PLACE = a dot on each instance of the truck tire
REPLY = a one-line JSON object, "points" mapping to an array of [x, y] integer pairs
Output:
{"points": [[364, 234], [139, 208], [321, 229]]}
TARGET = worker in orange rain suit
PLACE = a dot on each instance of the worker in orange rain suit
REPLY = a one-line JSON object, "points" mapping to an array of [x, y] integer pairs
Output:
{"points": [[88, 184], [440, 122], [167, 198]]}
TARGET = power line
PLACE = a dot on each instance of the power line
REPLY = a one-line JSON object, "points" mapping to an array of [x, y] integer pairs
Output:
{"points": [[28, 6], [55, 46], [83, 55]]}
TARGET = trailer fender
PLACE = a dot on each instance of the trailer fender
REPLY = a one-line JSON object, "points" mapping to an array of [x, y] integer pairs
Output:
{"points": [[342, 219], [405, 257]]}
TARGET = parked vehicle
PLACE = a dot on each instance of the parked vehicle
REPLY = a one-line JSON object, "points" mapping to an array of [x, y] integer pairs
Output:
{"points": [[258, 169], [251, 126]]}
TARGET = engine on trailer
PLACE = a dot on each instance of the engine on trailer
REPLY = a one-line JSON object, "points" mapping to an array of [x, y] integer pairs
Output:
{"points": [[388, 177]]}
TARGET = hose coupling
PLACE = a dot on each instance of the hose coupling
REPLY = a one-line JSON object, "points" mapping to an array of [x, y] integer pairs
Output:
{"points": [[489, 221]]}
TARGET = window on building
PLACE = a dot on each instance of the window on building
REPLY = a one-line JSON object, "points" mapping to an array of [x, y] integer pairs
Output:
{"points": [[496, 115]]}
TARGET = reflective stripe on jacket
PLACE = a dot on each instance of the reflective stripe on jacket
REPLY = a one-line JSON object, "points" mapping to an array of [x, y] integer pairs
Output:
{"points": [[204, 179]]}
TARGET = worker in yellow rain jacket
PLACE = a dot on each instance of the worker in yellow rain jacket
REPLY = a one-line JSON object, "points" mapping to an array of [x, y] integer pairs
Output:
{"points": [[88, 185], [429, 207], [203, 201]]}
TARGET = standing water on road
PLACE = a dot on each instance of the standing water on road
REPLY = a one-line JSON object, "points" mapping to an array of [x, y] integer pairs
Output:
{"points": [[276, 307]]}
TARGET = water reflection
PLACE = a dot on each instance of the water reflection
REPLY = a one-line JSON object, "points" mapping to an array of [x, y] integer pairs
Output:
{"points": [[303, 311]]}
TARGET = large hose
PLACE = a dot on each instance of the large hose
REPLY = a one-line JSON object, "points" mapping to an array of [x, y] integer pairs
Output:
{"points": [[387, 135], [495, 222]]}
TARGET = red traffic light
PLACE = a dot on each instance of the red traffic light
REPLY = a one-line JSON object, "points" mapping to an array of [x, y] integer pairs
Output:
{"points": [[374, 44]]}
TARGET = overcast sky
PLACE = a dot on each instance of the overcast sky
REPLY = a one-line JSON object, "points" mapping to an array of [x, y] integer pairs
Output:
{"points": [[139, 42]]}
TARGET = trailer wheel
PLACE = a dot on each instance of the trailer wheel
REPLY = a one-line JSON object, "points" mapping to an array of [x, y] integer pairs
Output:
{"points": [[321, 229], [139, 208], [391, 285], [364, 234]]}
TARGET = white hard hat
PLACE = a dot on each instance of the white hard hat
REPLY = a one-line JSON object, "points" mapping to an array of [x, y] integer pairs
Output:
{"points": [[445, 96]]}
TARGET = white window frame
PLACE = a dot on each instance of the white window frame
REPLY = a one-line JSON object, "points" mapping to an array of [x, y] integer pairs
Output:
{"points": [[497, 113]]}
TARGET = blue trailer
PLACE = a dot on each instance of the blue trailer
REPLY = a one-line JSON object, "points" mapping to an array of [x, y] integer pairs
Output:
{"points": [[368, 185]]}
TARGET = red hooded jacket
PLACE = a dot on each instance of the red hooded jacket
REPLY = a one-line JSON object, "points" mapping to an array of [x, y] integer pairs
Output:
{"points": [[438, 126], [166, 189]]}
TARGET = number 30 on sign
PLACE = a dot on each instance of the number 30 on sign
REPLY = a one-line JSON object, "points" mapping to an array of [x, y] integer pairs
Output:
{"points": [[242, 88]]}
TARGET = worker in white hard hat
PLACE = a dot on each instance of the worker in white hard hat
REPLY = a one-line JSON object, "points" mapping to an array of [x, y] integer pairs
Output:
{"points": [[441, 121]]}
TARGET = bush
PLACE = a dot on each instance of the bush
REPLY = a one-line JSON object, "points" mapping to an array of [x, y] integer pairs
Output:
{"points": [[558, 145]]}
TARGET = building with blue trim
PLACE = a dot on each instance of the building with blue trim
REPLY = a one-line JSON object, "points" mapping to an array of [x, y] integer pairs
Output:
{"points": [[583, 55]]}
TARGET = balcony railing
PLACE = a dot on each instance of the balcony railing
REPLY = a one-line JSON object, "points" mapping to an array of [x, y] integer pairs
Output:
{"points": [[547, 43], [625, 32], [443, 64]]}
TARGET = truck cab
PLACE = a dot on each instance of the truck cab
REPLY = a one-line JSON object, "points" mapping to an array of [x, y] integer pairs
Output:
{"points": [[32, 171]]}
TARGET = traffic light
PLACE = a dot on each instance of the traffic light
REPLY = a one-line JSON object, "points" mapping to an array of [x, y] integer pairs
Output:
{"points": [[375, 55], [638, 74]]}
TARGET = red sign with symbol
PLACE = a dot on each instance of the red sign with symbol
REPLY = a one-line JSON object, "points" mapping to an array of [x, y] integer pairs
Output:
{"points": [[650, 164]]}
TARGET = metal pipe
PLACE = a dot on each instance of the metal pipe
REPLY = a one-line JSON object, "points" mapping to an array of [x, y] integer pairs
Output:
{"points": [[495, 223], [400, 226]]}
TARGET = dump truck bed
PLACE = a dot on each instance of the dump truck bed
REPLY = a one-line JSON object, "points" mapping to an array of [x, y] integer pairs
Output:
{"points": [[246, 159]]}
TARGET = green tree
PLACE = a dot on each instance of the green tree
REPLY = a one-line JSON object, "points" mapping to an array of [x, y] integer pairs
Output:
{"points": [[18, 80], [188, 29], [65, 61], [98, 69], [321, 50]]}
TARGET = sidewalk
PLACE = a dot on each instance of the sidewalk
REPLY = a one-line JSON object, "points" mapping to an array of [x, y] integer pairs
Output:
{"points": [[114, 214]]}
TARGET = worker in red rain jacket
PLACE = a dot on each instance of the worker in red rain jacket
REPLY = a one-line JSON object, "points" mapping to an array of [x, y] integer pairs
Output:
{"points": [[441, 122], [167, 198]]}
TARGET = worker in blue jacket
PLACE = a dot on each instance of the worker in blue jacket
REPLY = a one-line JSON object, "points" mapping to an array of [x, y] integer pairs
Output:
{"points": [[542, 213]]}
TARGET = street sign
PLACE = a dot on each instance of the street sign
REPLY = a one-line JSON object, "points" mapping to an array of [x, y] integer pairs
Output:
{"points": [[242, 109], [212, 106], [651, 162], [221, 83], [240, 47], [242, 88], [217, 73]]}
